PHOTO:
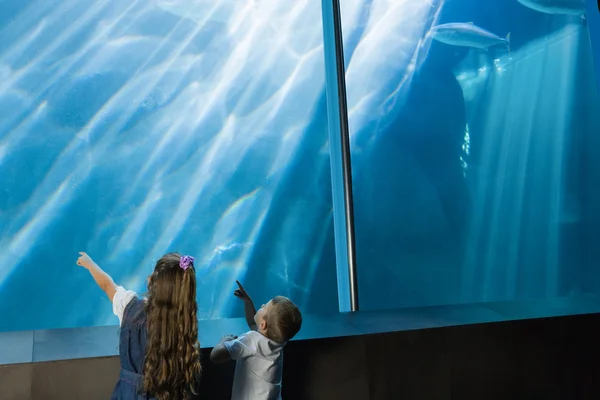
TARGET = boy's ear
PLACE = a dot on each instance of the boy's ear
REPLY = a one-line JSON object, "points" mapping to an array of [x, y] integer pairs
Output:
{"points": [[263, 323]]}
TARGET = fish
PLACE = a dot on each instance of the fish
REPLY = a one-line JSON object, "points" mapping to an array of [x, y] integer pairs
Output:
{"points": [[467, 34], [561, 7]]}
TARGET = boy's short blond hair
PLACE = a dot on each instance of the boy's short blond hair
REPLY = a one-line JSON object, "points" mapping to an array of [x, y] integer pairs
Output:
{"points": [[283, 320]]}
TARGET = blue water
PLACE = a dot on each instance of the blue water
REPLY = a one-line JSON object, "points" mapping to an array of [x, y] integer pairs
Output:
{"points": [[130, 129], [476, 173]]}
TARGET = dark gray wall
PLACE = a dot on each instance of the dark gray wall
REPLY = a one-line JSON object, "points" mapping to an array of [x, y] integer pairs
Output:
{"points": [[553, 358]]}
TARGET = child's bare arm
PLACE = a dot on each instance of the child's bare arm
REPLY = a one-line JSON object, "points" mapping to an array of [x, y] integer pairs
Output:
{"points": [[249, 309], [219, 353], [103, 280]]}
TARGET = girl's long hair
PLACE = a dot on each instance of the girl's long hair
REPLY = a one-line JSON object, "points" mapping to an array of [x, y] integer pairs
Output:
{"points": [[172, 364]]}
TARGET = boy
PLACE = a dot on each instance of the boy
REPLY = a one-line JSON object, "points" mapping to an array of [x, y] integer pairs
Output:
{"points": [[259, 352]]}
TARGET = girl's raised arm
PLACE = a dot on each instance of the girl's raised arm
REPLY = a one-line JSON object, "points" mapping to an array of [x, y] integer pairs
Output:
{"points": [[103, 280]]}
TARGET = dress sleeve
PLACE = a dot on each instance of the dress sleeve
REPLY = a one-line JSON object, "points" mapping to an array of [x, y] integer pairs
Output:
{"points": [[121, 299], [242, 347]]}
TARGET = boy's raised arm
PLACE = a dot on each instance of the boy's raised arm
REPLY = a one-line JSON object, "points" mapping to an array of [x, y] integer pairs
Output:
{"points": [[249, 309]]}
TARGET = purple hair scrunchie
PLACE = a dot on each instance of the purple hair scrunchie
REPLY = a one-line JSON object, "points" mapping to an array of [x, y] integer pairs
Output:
{"points": [[185, 262]]}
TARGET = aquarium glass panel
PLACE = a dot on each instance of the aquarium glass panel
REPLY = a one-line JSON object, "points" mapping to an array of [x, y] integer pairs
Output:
{"points": [[475, 150], [134, 128]]}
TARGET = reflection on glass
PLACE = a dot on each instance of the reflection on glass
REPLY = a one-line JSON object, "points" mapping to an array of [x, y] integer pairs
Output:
{"points": [[473, 143], [132, 128]]}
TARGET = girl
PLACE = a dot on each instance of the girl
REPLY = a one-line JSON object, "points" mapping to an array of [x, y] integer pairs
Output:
{"points": [[158, 345]]}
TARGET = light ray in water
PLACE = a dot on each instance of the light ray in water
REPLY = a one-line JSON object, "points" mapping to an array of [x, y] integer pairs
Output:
{"points": [[81, 171], [383, 63], [267, 114], [65, 35], [8, 85], [264, 115], [239, 270], [12, 251], [523, 148], [239, 110], [62, 68]]}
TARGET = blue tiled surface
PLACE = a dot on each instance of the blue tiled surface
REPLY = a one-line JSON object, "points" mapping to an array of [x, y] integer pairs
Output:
{"points": [[65, 344], [16, 347], [325, 326], [516, 310], [462, 314], [370, 322]]}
